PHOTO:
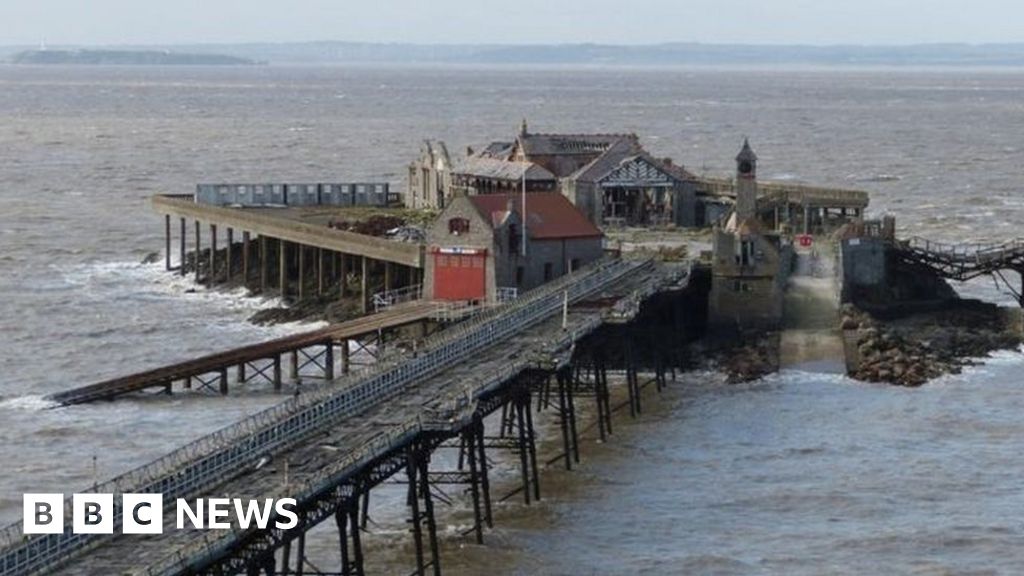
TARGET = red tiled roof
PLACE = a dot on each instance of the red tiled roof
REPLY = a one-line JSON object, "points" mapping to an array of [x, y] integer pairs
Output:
{"points": [[550, 215]]}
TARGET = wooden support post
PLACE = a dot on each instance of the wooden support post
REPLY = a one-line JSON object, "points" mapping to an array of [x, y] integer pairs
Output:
{"points": [[246, 256], [329, 361], [241, 373], [344, 357], [224, 381], [277, 373], [212, 276], [343, 277], [231, 246], [181, 262], [264, 265], [365, 286], [167, 242], [282, 266], [198, 250], [319, 271], [295, 365], [302, 270]]}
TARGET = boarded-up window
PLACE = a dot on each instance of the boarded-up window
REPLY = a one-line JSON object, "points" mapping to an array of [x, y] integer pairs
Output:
{"points": [[458, 226]]}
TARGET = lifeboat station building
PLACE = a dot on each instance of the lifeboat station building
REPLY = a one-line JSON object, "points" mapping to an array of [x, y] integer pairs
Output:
{"points": [[476, 250]]}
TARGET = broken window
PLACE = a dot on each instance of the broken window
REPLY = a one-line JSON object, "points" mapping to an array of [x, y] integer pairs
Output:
{"points": [[458, 226]]}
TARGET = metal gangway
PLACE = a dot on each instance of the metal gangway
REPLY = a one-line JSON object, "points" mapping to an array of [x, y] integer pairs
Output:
{"points": [[962, 262], [224, 461]]}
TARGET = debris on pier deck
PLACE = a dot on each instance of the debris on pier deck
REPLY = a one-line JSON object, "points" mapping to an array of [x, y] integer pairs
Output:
{"points": [[376, 422], [218, 364]]}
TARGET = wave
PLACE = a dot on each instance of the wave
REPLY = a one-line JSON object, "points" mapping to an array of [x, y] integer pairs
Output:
{"points": [[30, 403]]}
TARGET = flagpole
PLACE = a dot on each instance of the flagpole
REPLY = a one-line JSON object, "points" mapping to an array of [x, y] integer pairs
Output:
{"points": [[523, 248]]}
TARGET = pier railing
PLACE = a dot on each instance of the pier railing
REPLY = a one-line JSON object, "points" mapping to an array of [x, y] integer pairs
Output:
{"points": [[220, 455], [388, 298]]}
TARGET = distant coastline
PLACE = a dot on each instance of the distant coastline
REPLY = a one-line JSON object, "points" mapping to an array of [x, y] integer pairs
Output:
{"points": [[128, 58], [666, 54]]}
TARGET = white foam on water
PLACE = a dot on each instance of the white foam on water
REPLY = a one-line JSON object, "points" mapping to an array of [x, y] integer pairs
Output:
{"points": [[31, 403]]}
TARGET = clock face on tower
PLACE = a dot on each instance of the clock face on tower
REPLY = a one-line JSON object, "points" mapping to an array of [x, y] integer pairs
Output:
{"points": [[746, 167]]}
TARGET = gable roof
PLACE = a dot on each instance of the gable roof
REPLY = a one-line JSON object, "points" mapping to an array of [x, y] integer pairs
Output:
{"points": [[485, 167], [558, 144], [549, 216]]}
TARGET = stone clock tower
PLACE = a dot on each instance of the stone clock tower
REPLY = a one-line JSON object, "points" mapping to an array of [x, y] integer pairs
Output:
{"points": [[746, 183]]}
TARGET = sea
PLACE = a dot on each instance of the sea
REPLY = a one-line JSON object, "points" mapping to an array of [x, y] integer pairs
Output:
{"points": [[797, 473]]}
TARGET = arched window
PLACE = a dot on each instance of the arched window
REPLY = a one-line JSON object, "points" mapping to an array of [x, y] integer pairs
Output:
{"points": [[458, 226]]}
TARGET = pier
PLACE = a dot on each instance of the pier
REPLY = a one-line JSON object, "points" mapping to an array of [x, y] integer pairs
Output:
{"points": [[330, 448], [285, 249], [317, 349]]}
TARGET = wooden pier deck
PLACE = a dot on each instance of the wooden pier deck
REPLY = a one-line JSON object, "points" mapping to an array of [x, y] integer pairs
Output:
{"points": [[329, 448], [271, 351]]}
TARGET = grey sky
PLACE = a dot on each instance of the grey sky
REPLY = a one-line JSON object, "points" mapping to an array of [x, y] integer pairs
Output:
{"points": [[521, 21]]}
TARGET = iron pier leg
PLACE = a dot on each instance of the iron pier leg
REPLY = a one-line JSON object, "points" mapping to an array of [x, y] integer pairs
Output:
{"points": [[181, 248], [241, 373], [277, 373], [246, 256], [295, 365], [264, 265], [319, 271], [365, 503], [428, 504], [282, 268], [524, 456], [167, 242], [414, 502], [344, 357], [300, 556], [341, 520], [469, 442], [531, 441], [329, 360], [571, 400], [606, 397], [286, 558], [343, 276], [224, 381], [302, 270], [365, 293], [563, 418], [357, 546], [485, 485], [211, 278], [231, 246], [197, 251]]}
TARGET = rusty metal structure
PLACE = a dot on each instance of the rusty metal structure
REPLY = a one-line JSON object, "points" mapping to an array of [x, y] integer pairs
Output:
{"points": [[328, 449], [962, 262]]}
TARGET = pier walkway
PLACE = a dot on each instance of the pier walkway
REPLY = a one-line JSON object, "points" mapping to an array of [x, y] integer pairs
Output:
{"points": [[261, 360], [327, 449], [962, 262]]}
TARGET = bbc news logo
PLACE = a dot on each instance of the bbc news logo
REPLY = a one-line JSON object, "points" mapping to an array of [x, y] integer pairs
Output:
{"points": [[144, 513]]}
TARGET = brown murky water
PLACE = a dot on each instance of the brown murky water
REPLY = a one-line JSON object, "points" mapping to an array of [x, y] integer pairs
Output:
{"points": [[799, 474]]}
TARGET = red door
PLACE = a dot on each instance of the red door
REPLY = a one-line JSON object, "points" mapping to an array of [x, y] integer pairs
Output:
{"points": [[459, 277]]}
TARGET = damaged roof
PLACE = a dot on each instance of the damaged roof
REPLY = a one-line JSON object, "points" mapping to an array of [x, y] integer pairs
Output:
{"points": [[549, 215]]}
